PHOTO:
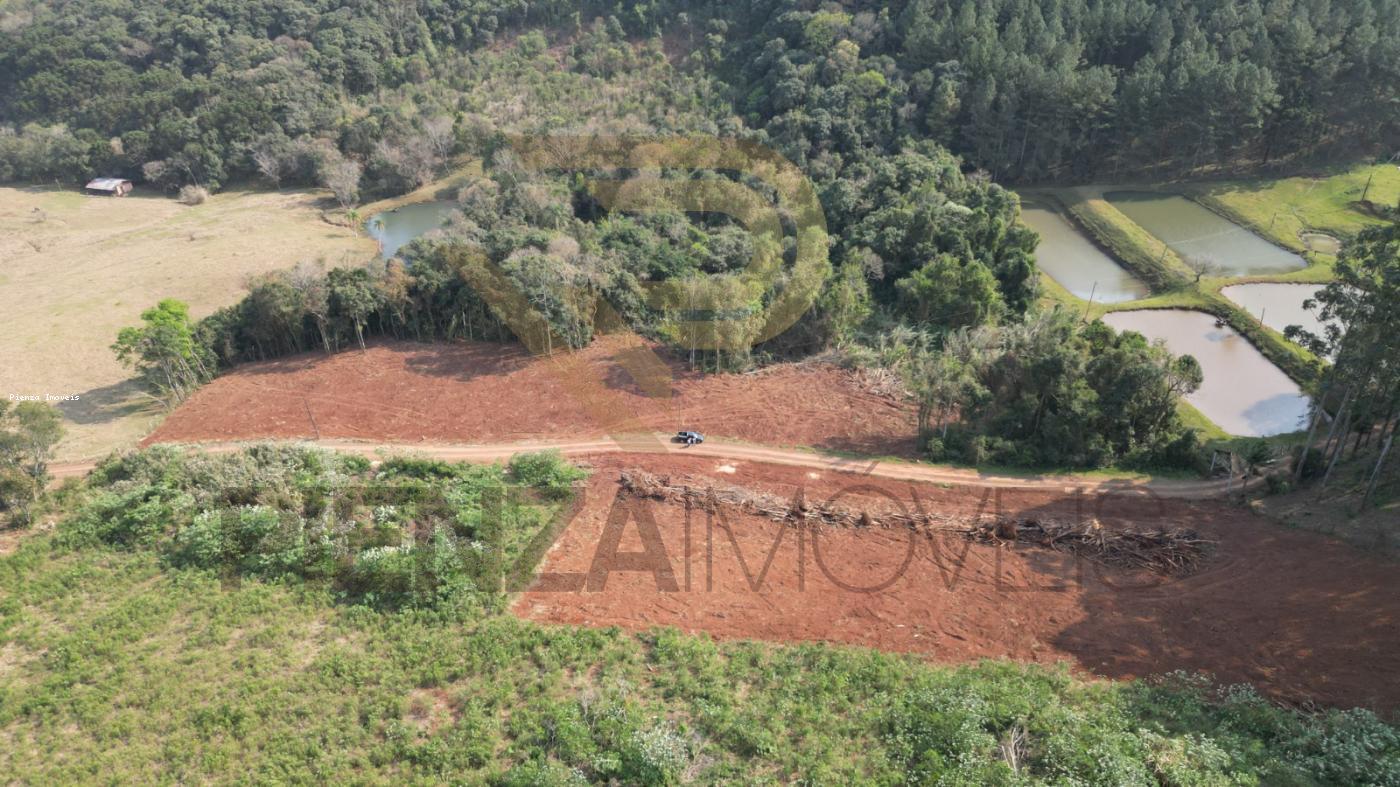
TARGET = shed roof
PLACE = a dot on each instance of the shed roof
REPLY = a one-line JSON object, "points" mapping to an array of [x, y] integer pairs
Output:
{"points": [[106, 184]]}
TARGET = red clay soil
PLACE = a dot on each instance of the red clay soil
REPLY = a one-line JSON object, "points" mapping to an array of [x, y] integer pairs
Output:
{"points": [[1300, 616], [474, 392]]}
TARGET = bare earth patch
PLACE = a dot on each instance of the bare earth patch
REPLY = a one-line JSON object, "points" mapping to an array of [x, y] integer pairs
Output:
{"points": [[1301, 616], [477, 392]]}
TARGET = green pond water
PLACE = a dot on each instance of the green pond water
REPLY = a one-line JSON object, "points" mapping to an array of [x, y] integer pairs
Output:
{"points": [[1192, 231], [1241, 391], [396, 228], [1076, 263]]}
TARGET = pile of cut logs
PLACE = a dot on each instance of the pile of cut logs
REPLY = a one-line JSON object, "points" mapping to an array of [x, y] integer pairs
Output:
{"points": [[1175, 551]]}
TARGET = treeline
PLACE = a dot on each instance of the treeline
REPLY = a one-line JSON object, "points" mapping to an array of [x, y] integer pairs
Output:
{"points": [[1360, 391], [1047, 391], [206, 92], [1038, 90], [534, 253], [203, 92]]}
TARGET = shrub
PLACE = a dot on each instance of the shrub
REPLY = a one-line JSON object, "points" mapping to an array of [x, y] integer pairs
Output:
{"points": [[385, 571], [201, 544], [193, 195], [654, 756], [546, 471], [287, 512]]}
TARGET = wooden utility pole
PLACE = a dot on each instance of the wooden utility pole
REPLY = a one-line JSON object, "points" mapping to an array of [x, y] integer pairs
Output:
{"points": [[1376, 473]]}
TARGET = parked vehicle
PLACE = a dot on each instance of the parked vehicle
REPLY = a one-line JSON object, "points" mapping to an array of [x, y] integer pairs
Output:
{"points": [[688, 437]]}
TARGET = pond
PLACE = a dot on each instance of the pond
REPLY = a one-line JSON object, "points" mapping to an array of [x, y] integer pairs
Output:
{"points": [[1277, 305], [1076, 263], [1320, 241], [1241, 391], [396, 228], [1192, 231]]}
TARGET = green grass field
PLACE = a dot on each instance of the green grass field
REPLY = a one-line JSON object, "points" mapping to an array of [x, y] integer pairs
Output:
{"points": [[118, 666], [1281, 209]]}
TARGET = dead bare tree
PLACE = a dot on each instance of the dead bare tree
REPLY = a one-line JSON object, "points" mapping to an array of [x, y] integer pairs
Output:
{"points": [[269, 162], [342, 177], [438, 132]]}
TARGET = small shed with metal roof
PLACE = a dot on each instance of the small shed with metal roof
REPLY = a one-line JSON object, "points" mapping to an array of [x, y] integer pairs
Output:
{"points": [[109, 187]]}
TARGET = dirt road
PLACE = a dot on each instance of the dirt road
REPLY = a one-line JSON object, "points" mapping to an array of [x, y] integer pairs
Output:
{"points": [[736, 451]]}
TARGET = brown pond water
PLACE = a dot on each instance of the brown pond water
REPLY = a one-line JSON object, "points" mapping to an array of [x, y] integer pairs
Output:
{"points": [[1076, 263], [1277, 305], [1241, 392]]}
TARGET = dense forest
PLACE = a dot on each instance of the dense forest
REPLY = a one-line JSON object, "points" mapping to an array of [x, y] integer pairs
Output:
{"points": [[904, 116], [194, 90]]}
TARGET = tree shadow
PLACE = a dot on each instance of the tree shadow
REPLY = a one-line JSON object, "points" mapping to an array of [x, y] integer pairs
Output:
{"points": [[643, 372], [872, 445], [1302, 617], [107, 403], [461, 360]]}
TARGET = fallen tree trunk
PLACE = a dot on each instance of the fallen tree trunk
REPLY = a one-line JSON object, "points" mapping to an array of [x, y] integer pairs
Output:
{"points": [[1176, 551]]}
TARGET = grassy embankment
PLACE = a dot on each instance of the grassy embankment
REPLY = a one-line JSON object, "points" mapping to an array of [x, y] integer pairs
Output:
{"points": [[122, 659], [1285, 208], [461, 172], [77, 269]]}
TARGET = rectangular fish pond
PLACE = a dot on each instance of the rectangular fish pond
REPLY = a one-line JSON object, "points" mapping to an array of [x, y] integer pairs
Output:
{"points": [[1193, 231], [1076, 263], [1241, 391], [1277, 304]]}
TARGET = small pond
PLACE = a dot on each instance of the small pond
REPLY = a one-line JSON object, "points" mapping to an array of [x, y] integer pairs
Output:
{"points": [[396, 228], [1319, 241], [1076, 263], [1192, 231], [1241, 391], [1277, 305]]}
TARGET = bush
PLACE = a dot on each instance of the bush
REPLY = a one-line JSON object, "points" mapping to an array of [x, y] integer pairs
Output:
{"points": [[654, 756], [193, 195], [385, 571], [546, 471], [409, 536]]}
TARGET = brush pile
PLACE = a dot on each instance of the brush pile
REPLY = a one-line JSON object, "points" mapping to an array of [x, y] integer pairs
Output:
{"points": [[1177, 551]]}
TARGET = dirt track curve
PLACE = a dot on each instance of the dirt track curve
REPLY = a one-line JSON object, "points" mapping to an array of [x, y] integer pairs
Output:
{"points": [[722, 449]]}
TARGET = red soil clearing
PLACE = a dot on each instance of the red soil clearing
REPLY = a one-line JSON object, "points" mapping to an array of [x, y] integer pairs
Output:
{"points": [[480, 392], [1301, 617]]}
